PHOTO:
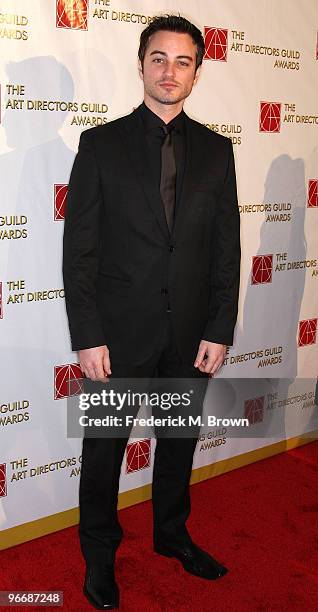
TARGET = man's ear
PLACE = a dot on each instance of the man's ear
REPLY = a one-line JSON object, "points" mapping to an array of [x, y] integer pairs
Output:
{"points": [[140, 70], [197, 74]]}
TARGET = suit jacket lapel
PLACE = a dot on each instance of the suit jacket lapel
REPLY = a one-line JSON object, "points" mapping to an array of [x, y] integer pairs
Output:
{"points": [[191, 169], [135, 144]]}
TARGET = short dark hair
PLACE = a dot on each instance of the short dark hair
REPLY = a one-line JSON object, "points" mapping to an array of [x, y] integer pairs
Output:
{"points": [[172, 23]]}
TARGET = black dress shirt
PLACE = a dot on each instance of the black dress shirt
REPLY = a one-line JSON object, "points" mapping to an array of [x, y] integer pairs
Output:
{"points": [[154, 139]]}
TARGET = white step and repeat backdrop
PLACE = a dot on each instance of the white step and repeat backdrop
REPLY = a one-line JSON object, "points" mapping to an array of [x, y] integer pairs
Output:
{"points": [[67, 65]]}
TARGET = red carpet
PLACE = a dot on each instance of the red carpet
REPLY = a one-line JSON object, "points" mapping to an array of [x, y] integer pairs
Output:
{"points": [[260, 521]]}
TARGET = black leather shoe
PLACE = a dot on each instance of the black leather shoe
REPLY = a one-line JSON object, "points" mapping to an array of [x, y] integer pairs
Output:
{"points": [[100, 587], [194, 560]]}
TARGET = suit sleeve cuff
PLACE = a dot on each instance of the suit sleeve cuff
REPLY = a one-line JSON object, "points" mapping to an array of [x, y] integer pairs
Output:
{"points": [[212, 334], [88, 336]]}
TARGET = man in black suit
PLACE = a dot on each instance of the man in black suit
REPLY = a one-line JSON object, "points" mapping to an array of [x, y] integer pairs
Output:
{"points": [[151, 275]]}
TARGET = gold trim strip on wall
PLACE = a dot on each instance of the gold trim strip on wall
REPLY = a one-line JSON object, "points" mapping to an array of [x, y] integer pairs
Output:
{"points": [[68, 518]]}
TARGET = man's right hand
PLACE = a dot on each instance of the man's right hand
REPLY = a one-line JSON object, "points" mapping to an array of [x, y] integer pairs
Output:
{"points": [[95, 363]]}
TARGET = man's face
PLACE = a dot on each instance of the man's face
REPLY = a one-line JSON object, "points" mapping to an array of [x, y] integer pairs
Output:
{"points": [[169, 67]]}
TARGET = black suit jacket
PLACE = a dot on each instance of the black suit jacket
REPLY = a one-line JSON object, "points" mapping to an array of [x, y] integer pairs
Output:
{"points": [[121, 266]]}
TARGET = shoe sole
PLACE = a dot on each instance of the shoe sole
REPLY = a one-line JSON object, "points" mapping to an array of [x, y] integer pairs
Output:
{"points": [[92, 602], [166, 553]]}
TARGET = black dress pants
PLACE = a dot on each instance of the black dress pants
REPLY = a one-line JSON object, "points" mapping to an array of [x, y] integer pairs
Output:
{"points": [[99, 529]]}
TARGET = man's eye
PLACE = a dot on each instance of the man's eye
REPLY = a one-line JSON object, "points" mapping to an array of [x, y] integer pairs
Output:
{"points": [[158, 59], [183, 63]]}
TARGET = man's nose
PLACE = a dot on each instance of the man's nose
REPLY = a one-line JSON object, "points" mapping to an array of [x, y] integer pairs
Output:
{"points": [[169, 70]]}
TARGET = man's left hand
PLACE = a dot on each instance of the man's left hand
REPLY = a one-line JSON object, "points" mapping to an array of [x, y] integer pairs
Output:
{"points": [[210, 357]]}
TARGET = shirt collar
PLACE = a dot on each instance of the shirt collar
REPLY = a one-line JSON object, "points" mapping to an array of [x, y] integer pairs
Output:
{"points": [[152, 121]]}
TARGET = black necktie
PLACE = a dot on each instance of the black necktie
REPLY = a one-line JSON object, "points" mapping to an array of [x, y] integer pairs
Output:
{"points": [[168, 176]]}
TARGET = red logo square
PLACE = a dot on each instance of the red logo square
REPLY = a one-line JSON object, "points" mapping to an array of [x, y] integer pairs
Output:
{"points": [[215, 44], [138, 455], [68, 380], [1, 307], [269, 117], [60, 194], [3, 480], [307, 333], [262, 267], [312, 200], [72, 14], [254, 410]]}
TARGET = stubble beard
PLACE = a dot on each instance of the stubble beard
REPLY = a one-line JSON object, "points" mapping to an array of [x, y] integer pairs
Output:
{"points": [[167, 100]]}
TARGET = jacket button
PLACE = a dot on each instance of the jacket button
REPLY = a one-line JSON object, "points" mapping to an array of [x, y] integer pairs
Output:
{"points": [[164, 290], [171, 248]]}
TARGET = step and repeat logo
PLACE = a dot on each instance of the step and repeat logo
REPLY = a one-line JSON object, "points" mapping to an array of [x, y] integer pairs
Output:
{"points": [[60, 195], [17, 470], [262, 268], [82, 113], [68, 380], [307, 332], [274, 212], [254, 410], [215, 44], [13, 26], [270, 117], [221, 42], [13, 292], [211, 439], [13, 227], [312, 199], [3, 480], [13, 413], [257, 409], [72, 14], [273, 114], [138, 455], [234, 131]]}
